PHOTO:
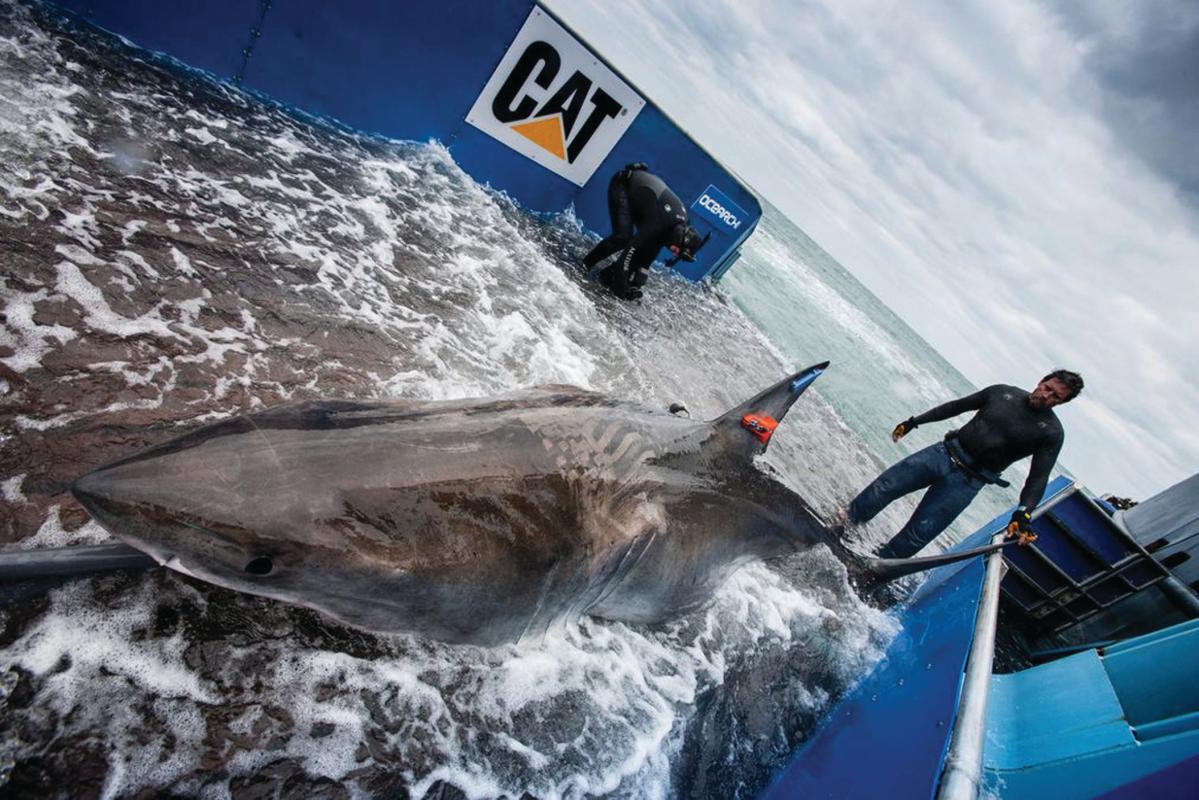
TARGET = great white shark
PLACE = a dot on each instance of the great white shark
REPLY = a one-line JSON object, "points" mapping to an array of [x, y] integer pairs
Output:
{"points": [[479, 521]]}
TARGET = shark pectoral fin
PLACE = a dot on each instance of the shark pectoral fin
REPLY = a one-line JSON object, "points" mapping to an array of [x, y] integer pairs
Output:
{"points": [[630, 539], [746, 429], [874, 571]]}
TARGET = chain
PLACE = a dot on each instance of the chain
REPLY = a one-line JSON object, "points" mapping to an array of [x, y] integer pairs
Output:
{"points": [[255, 33]]}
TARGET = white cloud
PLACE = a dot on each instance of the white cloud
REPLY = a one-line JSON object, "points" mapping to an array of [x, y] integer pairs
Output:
{"points": [[957, 155]]}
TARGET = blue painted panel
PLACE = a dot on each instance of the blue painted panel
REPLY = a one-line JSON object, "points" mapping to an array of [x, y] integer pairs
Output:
{"points": [[412, 71], [1094, 528], [1060, 548], [1059, 710], [1088, 777], [383, 66], [887, 737], [1154, 636], [1178, 780], [1079, 538], [1081, 571], [1156, 680], [1168, 727], [1053, 732], [203, 34]]}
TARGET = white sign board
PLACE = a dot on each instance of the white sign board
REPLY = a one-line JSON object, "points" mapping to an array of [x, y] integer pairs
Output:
{"points": [[551, 100]]}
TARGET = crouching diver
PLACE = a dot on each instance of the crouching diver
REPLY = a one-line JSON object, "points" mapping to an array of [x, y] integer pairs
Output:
{"points": [[1010, 424], [646, 216]]}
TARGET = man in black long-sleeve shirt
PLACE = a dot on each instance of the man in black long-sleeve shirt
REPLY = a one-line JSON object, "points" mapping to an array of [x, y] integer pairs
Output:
{"points": [[638, 199], [1010, 424]]}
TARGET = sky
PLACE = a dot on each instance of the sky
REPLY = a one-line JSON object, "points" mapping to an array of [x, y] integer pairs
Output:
{"points": [[1017, 180]]}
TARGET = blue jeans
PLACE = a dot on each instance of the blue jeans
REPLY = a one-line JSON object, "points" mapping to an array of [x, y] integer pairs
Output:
{"points": [[950, 490]]}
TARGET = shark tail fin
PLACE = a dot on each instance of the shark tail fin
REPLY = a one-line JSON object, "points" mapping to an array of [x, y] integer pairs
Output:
{"points": [[877, 571], [747, 428]]}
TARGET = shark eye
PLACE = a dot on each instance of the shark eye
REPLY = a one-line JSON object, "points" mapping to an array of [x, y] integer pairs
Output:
{"points": [[260, 566]]}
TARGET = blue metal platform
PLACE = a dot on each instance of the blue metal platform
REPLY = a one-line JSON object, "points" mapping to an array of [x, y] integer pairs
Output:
{"points": [[887, 737], [1077, 727], [1122, 719]]}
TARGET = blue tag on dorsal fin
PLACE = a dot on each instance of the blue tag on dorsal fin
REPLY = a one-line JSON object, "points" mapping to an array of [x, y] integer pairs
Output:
{"points": [[773, 402], [805, 379]]}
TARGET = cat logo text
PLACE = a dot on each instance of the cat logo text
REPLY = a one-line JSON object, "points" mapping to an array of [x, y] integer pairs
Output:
{"points": [[555, 102]]}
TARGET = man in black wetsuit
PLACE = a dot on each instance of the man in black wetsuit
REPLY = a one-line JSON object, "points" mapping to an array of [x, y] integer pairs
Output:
{"points": [[639, 199], [1009, 425]]}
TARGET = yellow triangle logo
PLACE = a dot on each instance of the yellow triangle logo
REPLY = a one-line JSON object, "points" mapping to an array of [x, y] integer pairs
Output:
{"points": [[545, 133]]}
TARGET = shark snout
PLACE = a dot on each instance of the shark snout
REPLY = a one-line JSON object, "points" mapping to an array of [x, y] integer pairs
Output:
{"points": [[101, 496], [87, 487], [154, 511]]}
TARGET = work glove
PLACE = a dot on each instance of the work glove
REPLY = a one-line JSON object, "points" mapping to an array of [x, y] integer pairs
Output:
{"points": [[903, 429], [1021, 526]]}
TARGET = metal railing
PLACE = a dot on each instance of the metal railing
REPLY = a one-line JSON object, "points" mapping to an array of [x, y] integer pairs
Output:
{"points": [[962, 774]]}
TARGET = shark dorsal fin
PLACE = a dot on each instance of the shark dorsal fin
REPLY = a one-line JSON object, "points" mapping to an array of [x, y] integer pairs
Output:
{"points": [[745, 430]]}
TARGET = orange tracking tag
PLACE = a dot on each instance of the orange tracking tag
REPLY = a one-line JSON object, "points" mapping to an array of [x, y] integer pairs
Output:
{"points": [[761, 427]]}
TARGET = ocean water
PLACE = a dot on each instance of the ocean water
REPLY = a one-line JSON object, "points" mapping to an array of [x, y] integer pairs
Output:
{"points": [[175, 251], [882, 372]]}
